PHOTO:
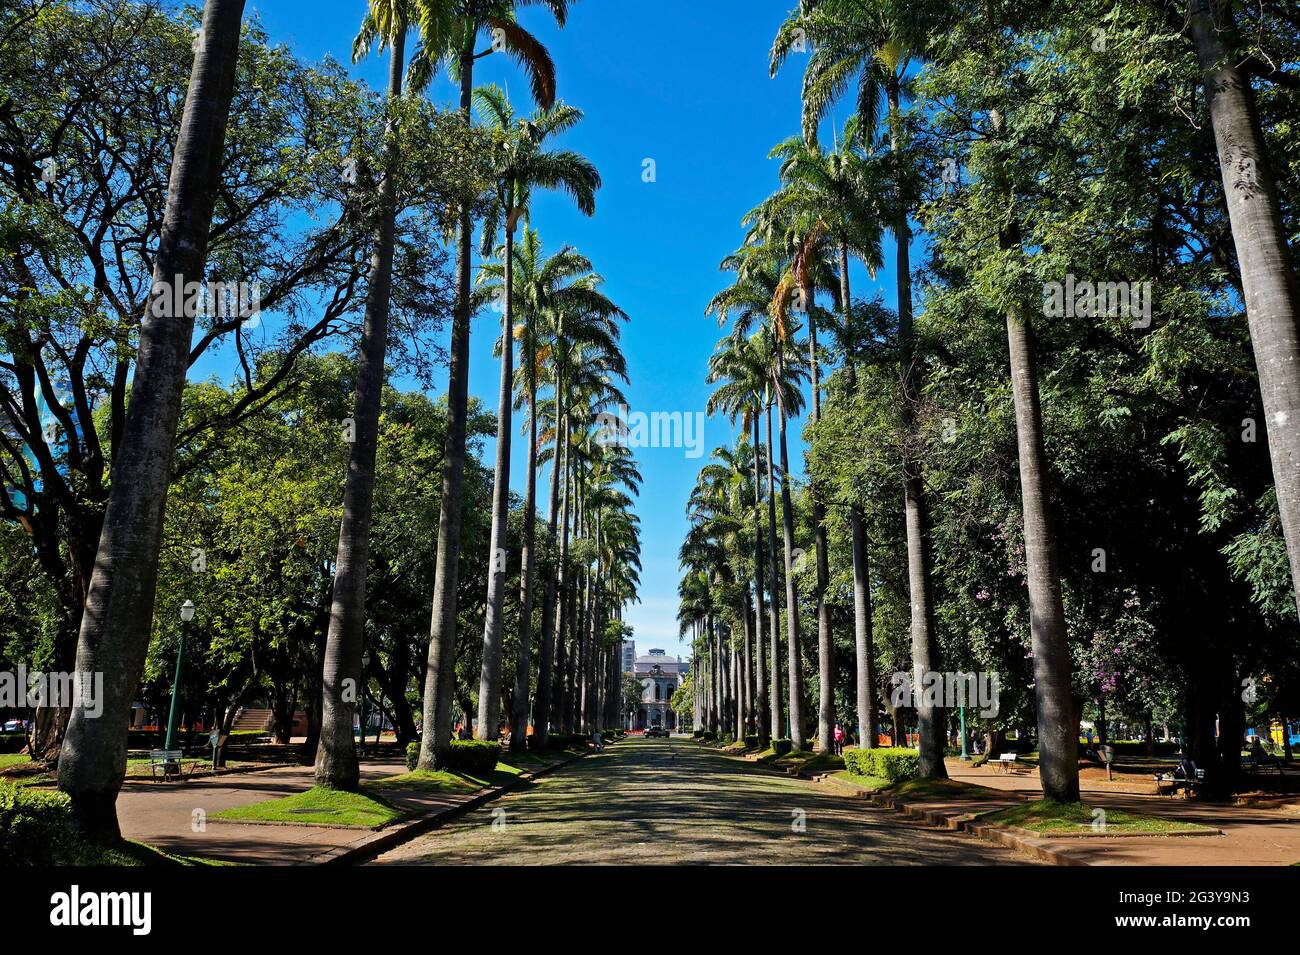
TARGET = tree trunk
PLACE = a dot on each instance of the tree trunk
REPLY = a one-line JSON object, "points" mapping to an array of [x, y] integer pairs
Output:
{"points": [[774, 621], [489, 687], [336, 757], [440, 675], [794, 662], [760, 664], [825, 641], [1268, 280], [523, 659], [118, 616], [546, 653], [864, 643], [925, 651]]}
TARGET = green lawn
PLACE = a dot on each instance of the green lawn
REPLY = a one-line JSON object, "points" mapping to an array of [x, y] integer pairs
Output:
{"points": [[139, 854], [13, 759], [870, 783], [317, 805], [427, 779], [1048, 817]]}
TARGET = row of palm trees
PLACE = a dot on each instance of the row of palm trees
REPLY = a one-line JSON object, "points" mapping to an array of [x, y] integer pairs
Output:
{"points": [[552, 307], [833, 206]]}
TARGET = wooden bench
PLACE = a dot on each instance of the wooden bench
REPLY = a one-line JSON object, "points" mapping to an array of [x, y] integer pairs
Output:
{"points": [[1007, 761], [172, 764]]}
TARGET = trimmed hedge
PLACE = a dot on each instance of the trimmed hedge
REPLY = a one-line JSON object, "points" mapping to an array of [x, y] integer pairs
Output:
{"points": [[35, 827], [466, 756], [473, 755], [751, 742], [708, 736], [894, 764], [781, 746], [698, 734]]}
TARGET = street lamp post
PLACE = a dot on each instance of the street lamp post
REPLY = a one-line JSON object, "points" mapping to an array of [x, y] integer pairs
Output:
{"points": [[187, 614]]}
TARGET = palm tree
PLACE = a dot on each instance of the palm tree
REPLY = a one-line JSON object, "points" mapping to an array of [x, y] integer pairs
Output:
{"points": [[1268, 279], [741, 370], [336, 757], [825, 207], [861, 42], [584, 362], [550, 295], [523, 165], [762, 294], [118, 617], [449, 33]]}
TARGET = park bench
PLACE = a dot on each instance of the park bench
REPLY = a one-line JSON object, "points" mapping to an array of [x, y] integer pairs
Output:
{"points": [[1175, 782], [171, 763], [1256, 765], [1007, 762]]}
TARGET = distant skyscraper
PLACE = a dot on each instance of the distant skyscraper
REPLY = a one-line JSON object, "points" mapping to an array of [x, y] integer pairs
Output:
{"points": [[629, 655]]}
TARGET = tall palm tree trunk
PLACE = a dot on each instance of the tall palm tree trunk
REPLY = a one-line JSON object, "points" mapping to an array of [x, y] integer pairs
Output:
{"points": [[336, 754], [523, 658], [863, 642], [1058, 721], [1268, 280], [118, 617], [440, 674], [562, 594], [825, 642], [546, 653], [489, 686], [925, 651], [761, 710], [794, 662], [774, 620]]}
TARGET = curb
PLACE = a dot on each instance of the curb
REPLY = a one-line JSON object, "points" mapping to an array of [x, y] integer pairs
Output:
{"points": [[966, 822], [400, 832]]}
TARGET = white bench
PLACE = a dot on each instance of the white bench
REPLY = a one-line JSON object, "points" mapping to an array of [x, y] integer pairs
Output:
{"points": [[1007, 761]]}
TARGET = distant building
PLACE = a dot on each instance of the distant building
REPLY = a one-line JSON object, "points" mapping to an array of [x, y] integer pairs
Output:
{"points": [[660, 675], [629, 655]]}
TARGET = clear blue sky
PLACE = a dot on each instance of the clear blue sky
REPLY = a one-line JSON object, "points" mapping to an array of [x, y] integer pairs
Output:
{"points": [[683, 83]]}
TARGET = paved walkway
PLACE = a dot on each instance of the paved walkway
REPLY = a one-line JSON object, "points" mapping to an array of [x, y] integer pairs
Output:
{"points": [[672, 802], [163, 815], [1251, 836]]}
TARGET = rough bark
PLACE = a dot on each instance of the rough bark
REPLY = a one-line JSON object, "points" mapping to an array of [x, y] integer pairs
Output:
{"points": [[825, 642], [925, 651], [336, 756], [864, 644], [489, 691], [523, 659], [760, 663], [774, 621], [118, 616], [794, 661], [1268, 280], [440, 675]]}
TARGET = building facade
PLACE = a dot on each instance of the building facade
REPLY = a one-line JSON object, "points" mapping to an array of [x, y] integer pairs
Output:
{"points": [[660, 675], [629, 656]]}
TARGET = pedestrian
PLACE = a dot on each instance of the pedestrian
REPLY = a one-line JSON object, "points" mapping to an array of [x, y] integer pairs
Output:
{"points": [[839, 740]]}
